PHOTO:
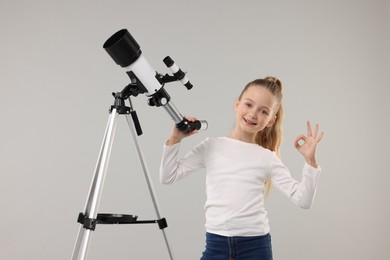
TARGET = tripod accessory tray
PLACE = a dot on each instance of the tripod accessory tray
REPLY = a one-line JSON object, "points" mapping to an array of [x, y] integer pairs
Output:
{"points": [[108, 218]]}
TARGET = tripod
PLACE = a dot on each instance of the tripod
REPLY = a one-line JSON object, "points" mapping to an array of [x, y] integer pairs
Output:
{"points": [[89, 218]]}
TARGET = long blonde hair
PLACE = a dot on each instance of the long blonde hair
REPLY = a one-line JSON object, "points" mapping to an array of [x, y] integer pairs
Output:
{"points": [[270, 137]]}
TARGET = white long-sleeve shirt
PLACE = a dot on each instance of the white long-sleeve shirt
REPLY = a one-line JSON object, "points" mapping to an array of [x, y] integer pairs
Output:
{"points": [[236, 172]]}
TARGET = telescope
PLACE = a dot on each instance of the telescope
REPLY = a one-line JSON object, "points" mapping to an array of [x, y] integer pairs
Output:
{"points": [[126, 52]]}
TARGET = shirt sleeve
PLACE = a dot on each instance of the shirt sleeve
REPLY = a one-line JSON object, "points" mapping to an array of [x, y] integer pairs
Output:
{"points": [[301, 193], [173, 169]]}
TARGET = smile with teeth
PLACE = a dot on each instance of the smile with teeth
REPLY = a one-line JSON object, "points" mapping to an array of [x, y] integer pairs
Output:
{"points": [[250, 122]]}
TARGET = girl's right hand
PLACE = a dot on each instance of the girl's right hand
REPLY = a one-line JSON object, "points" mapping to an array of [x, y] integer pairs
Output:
{"points": [[308, 144], [177, 135]]}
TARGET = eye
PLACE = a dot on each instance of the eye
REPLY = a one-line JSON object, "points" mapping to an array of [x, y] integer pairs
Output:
{"points": [[249, 105], [264, 112]]}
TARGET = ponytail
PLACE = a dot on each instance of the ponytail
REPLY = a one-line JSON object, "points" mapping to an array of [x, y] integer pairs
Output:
{"points": [[270, 137]]}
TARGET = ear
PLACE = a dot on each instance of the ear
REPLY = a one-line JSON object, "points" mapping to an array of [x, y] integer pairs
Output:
{"points": [[236, 105], [272, 121]]}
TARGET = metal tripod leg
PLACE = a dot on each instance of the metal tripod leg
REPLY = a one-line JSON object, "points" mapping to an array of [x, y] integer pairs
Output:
{"points": [[80, 249], [147, 178], [90, 213]]}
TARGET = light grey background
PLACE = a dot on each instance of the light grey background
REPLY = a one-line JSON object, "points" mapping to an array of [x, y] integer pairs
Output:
{"points": [[55, 90]]}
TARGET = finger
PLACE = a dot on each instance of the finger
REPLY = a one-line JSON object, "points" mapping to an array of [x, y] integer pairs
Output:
{"points": [[320, 137], [190, 118], [316, 130], [298, 140], [194, 132], [309, 132]]}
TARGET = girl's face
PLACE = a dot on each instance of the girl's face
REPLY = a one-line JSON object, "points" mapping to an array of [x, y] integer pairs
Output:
{"points": [[255, 110]]}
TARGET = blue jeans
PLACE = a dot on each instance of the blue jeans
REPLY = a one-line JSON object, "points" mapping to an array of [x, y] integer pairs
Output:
{"points": [[238, 248]]}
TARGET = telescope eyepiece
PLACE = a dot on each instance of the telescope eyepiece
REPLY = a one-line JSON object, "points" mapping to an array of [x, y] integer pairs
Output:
{"points": [[187, 126], [168, 61]]}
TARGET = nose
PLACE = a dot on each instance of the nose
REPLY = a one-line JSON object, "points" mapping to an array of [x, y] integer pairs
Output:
{"points": [[252, 114]]}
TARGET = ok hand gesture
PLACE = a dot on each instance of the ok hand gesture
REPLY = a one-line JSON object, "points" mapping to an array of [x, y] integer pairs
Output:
{"points": [[306, 145]]}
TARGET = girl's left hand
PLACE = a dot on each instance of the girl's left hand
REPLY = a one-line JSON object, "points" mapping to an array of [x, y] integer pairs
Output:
{"points": [[306, 145]]}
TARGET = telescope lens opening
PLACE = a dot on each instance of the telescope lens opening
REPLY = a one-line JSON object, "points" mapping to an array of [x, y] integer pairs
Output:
{"points": [[122, 48], [114, 38]]}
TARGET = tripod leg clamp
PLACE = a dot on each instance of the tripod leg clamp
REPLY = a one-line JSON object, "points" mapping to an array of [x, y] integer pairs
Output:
{"points": [[88, 223], [162, 223]]}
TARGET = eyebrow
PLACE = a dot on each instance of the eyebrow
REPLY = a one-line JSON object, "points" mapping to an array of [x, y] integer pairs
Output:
{"points": [[248, 99]]}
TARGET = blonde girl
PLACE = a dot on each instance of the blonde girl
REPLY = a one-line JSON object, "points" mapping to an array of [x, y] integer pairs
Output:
{"points": [[240, 168]]}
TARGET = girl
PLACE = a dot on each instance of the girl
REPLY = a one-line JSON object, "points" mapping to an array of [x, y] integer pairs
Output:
{"points": [[240, 168]]}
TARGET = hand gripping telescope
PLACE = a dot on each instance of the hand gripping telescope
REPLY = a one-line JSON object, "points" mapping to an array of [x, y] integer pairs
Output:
{"points": [[126, 52]]}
